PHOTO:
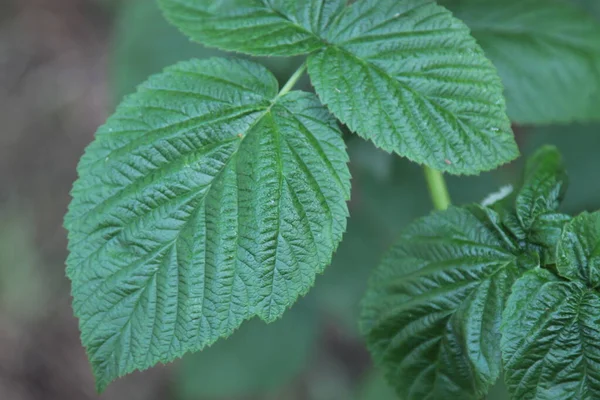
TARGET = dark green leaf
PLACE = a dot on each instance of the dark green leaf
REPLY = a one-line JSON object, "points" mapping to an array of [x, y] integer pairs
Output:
{"points": [[410, 78], [144, 43], [205, 200], [534, 218], [433, 309], [257, 27], [578, 250], [546, 52], [550, 344], [544, 186]]}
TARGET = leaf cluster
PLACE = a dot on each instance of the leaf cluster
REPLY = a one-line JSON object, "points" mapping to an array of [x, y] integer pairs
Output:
{"points": [[213, 195], [472, 291]]}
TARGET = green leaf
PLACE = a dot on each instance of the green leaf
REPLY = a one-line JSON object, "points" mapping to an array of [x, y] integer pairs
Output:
{"points": [[545, 232], [578, 250], [433, 310], [257, 359], [205, 200], [410, 78], [546, 52], [144, 43], [544, 186], [550, 344], [256, 27]]}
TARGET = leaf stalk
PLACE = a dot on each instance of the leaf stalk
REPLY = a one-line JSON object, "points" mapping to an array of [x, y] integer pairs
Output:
{"points": [[437, 188]]}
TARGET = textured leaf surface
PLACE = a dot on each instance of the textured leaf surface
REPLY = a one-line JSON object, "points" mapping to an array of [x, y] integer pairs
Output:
{"points": [[410, 78], [205, 200], [257, 27], [433, 309], [144, 43], [546, 51], [544, 186], [550, 344], [578, 250]]}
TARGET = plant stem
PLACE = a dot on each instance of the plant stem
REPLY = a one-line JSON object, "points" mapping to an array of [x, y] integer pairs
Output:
{"points": [[293, 80], [437, 188]]}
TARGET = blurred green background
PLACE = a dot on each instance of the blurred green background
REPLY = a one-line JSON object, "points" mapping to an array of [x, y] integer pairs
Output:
{"points": [[64, 65]]}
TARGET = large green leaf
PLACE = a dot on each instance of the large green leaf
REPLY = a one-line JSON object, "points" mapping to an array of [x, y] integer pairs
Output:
{"points": [[433, 309], [578, 250], [410, 78], [205, 200], [550, 344], [257, 27], [546, 51], [405, 74]]}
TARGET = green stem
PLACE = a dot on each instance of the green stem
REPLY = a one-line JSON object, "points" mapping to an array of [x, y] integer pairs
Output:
{"points": [[437, 188], [293, 80]]}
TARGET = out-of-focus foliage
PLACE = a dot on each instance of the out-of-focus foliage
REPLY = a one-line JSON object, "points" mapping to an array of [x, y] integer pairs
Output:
{"points": [[256, 360], [22, 285], [546, 52]]}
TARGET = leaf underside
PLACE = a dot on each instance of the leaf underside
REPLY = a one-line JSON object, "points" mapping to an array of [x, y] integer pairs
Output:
{"points": [[547, 53], [409, 76], [433, 310], [205, 200]]}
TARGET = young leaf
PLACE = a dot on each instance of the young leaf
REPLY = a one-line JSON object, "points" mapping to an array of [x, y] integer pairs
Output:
{"points": [[409, 77], [544, 186], [256, 27], [546, 52], [432, 313], [550, 344], [205, 200], [578, 250]]}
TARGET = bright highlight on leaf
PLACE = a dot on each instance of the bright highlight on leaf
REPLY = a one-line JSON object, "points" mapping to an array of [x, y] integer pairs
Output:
{"points": [[433, 310], [404, 74], [550, 341], [205, 200], [546, 51]]}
